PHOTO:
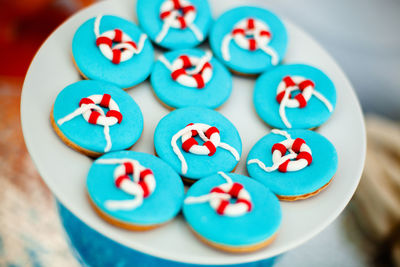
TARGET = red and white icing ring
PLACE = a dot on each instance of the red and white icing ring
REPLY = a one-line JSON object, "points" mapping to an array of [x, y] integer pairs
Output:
{"points": [[209, 134], [125, 47], [141, 186], [220, 198], [307, 90], [250, 34], [299, 157], [178, 14], [190, 71], [90, 109]]}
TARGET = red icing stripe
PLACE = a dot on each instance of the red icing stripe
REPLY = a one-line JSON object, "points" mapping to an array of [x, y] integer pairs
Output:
{"points": [[128, 167], [85, 101], [188, 144], [194, 132], [305, 83], [305, 155], [210, 147], [222, 206], [199, 80], [250, 24], [283, 166], [176, 3], [133, 44], [280, 147], [302, 101], [93, 117], [288, 81], [298, 142], [248, 203], [175, 74], [211, 131], [235, 189], [280, 96], [105, 101], [252, 44], [187, 9], [182, 22], [217, 190], [116, 56], [186, 61], [238, 31], [146, 191], [165, 14], [104, 40], [205, 66], [119, 180], [265, 33], [118, 36], [144, 173], [115, 114]]}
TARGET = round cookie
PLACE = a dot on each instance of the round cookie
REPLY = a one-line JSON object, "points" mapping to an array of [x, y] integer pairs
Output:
{"points": [[95, 117], [197, 142], [294, 96], [175, 24], [112, 49], [294, 164], [134, 190], [191, 78], [249, 40], [232, 212]]}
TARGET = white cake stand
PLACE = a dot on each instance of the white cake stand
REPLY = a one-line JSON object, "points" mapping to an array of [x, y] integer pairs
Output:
{"points": [[64, 170]]}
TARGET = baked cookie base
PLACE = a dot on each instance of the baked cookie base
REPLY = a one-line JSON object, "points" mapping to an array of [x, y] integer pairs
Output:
{"points": [[300, 197]]}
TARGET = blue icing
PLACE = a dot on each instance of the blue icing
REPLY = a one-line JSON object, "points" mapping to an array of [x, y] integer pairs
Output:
{"points": [[161, 206], [94, 65], [245, 61], [148, 13], [254, 227], [91, 136], [176, 95], [312, 115], [198, 165], [307, 180]]}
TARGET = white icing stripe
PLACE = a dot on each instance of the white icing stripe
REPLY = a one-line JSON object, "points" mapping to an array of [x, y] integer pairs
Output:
{"points": [[215, 199], [244, 40], [201, 128], [278, 158], [125, 46], [128, 186]]}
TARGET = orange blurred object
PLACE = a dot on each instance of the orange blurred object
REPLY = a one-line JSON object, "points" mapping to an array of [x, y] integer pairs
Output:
{"points": [[24, 25]]}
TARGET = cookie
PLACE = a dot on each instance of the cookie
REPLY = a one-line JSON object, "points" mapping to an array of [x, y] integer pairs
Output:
{"points": [[197, 142], [294, 96], [294, 164], [134, 190], [249, 40], [191, 77], [232, 212], [112, 49], [175, 24], [95, 117]]}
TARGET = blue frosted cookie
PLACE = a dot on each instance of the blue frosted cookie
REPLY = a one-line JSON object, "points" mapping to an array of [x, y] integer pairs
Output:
{"points": [[112, 49], [294, 96], [95, 117], [294, 164], [191, 78], [175, 24], [249, 40], [232, 212], [197, 142], [134, 190]]}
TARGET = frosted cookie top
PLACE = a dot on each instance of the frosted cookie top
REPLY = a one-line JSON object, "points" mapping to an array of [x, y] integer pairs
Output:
{"points": [[249, 40], [97, 116], [232, 210], [110, 48], [135, 188], [293, 163], [197, 142], [191, 77], [175, 24], [294, 96]]}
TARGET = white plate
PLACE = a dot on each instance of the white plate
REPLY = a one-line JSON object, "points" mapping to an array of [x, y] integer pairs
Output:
{"points": [[64, 170]]}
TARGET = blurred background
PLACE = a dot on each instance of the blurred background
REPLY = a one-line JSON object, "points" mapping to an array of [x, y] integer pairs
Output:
{"points": [[362, 35]]}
